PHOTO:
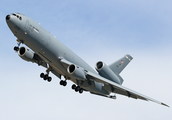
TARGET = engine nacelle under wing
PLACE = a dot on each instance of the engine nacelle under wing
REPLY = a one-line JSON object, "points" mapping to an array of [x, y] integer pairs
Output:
{"points": [[26, 54], [29, 56], [76, 72], [106, 72]]}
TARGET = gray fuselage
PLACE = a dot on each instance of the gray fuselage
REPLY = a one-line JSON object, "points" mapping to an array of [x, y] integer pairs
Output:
{"points": [[51, 50]]}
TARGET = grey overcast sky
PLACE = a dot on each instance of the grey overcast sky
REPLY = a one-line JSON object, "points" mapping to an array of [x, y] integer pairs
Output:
{"points": [[95, 30]]}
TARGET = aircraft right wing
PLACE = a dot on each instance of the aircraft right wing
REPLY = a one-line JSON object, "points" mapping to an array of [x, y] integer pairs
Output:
{"points": [[116, 88]]}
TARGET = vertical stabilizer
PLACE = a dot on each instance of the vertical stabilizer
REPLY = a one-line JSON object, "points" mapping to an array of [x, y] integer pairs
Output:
{"points": [[120, 64]]}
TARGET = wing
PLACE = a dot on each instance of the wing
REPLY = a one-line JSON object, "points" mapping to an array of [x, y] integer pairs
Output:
{"points": [[113, 87], [116, 88]]}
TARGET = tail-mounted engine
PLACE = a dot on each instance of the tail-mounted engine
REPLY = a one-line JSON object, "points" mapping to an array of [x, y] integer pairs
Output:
{"points": [[106, 72], [76, 72]]}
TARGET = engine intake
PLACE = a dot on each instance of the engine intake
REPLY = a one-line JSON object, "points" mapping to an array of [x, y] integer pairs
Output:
{"points": [[99, 65], [76, 72], [71, 69]]}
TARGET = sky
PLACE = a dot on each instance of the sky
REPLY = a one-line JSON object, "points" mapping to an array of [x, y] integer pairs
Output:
{"points": [[94, 30]]}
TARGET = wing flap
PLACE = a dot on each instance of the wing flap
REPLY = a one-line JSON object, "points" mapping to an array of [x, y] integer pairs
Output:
{"points": [[125, 93]]}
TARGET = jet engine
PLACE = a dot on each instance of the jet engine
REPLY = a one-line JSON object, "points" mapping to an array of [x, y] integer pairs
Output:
{"points": [[106, 72], [26, 54], [76, 71]]}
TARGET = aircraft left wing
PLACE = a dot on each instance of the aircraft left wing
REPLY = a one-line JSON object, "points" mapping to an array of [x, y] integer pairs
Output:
{"points": [[116, 88], [112, 86]]}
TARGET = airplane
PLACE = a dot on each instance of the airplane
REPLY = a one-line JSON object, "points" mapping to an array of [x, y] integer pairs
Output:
{"points": [[47, 51]]}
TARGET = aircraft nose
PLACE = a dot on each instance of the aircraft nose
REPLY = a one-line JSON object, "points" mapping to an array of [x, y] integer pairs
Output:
{"points": [[7, 17]]}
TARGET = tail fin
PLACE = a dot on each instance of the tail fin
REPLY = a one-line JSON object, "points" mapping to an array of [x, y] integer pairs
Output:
{"points": [[120, 64]]}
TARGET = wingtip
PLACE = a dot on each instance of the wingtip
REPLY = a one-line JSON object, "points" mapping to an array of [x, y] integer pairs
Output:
{"points": [[165, 104]]}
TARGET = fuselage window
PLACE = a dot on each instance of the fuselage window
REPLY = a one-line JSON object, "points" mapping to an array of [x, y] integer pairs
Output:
{"points": [[20, 18]]}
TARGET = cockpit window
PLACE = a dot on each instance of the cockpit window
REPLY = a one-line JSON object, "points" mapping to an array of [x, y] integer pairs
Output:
{"points": [[19, 17]]}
